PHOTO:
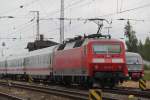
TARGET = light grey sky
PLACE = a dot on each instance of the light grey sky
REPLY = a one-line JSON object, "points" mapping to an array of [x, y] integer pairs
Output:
{"points": [[22, 26]]}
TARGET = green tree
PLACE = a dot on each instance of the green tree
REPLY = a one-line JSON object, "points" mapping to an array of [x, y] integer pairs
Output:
{"points": [[140, 48], [146, 49], [132, 41]]}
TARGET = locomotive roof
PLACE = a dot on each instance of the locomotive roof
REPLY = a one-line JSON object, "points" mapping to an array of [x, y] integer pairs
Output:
{"points": [[132, 54], [105, 40], [82, 42]]}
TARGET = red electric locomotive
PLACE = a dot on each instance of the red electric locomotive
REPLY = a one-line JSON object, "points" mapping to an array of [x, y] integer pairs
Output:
{"points": [[135, 65], [92, 60]]}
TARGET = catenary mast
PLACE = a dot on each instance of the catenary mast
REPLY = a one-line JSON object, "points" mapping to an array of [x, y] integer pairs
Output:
{"points": [[62, 22]]}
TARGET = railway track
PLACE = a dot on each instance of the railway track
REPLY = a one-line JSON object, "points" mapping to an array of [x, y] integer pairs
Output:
{"points": [[135, 92], [68, 93], [79, 94], [5, 96]]}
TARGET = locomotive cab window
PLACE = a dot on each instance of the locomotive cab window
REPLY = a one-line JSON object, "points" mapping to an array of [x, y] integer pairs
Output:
{"points": [[106, 48]]}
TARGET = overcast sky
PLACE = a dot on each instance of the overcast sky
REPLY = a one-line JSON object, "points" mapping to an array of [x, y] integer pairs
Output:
{"points": [[23, 26]]}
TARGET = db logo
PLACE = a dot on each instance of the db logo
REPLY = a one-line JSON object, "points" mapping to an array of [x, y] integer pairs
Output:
{"points": [[108, 60]]}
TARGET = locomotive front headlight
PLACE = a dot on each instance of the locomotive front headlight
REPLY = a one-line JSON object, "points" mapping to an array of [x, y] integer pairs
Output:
{"points": [[142, 75], [127, 75]]}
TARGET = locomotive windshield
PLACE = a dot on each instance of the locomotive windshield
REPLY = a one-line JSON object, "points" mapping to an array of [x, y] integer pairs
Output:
{"points": [[106, 48], [134, 63], [134, 60]]}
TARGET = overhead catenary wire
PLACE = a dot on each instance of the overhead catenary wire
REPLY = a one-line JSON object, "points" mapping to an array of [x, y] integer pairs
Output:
{"points": [[84, 19], [125, 11], [18, 8], [70, 6], [22, 26]]}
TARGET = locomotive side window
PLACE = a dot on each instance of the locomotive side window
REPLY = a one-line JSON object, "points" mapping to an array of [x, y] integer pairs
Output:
{"points": [[78, 43], [106, 48]]}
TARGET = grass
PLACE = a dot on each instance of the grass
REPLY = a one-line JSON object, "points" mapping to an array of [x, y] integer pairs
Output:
{"points": [[147, 75]]}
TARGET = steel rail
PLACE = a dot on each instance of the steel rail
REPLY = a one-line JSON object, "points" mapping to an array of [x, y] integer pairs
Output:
{"points": [[10, 97], [82, 94], [138, 93], [73, 94]]}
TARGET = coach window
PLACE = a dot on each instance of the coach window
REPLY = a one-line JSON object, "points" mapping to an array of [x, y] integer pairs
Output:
{"points": [[32, 59], [45, 59], [12, 63], [1, 64], [17, 63], [27, 61], [46, 62], [20, 62], [40, 59], [50, 59], [36, 60], [37, 57]]}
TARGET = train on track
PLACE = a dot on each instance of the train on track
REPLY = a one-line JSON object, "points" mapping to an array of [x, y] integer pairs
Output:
{"points": [[87, 60], [135, 65]]}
